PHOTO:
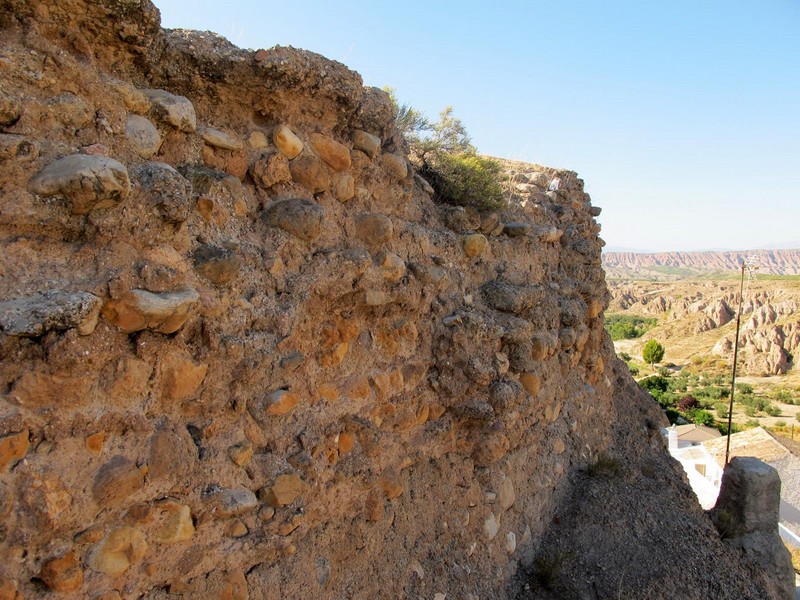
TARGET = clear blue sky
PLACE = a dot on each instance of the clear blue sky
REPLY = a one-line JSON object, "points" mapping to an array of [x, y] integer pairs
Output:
{"points": [[682, 116]]}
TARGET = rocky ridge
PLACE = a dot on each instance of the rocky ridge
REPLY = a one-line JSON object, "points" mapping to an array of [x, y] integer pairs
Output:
{"points": [[243, 354], [671, 265]]}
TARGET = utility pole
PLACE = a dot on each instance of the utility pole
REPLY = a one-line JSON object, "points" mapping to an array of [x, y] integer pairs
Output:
{"points": [[735, 359]]}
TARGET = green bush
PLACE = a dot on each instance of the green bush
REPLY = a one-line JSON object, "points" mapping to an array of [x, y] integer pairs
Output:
{"points": [[627, 327], [711, 392], [653, 352], [744, 388], [701, 417], [625, 356], [772, 411], [752, 423], [780, 424], [755, 402], [466, 179], [797, 417], [750, 411], [722, 410], [633, 369], [448, 160]]}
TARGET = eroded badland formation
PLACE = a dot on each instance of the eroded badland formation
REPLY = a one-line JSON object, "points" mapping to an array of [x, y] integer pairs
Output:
{"points": [[698, 319], [244, 354]]}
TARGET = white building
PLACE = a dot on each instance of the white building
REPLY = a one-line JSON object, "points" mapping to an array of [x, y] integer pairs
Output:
{"points": [[703, 461]]}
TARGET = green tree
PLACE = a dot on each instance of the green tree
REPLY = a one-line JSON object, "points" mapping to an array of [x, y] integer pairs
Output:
{"points": [[701, 417], [653, 352], [447, 158]]}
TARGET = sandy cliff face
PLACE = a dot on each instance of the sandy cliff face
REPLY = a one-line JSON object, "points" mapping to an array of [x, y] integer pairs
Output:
{"points": [[245, 354]]}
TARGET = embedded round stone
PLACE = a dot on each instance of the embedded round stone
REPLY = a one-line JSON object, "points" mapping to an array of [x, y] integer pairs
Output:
{"points": [[301, 218], [88, 182], [287, 142], [374, 229], [336, 155], [475, 244], [177, 111], [142, 136], [366, 142]]}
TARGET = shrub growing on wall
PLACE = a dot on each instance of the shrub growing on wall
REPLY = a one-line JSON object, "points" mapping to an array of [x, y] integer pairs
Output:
{"points": [[447, 158]]}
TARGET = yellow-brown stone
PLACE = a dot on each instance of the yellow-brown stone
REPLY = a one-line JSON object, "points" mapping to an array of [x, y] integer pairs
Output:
{"points": [[62, 574], [595, 308], [8, 589], [336, 357], [332, 455], [356, 387], [121, 548], [489, 449], [289, 526], [382, 385], [539, 349], [366, 142], [281, 402], [47, 500], [257, 140], [284, 490], [336, 155], [94, 442], [236, 529], [328, 391], [13, 448], [346, 441], [422, 414], [175, 523], [287, 142], [92, 535], [309, 171], [182, 377], [241, 453], [552, 411], [234, 587], [140, 309], [205, 206], [475, 244], [436, 411], [531, 382], [344, 187]]}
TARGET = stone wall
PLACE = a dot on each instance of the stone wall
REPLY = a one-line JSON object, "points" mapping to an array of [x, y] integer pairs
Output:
{"points": [[243, 351]]}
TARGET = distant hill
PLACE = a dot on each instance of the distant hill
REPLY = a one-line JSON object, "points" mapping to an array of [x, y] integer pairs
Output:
{"points": [[674, 265]]}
